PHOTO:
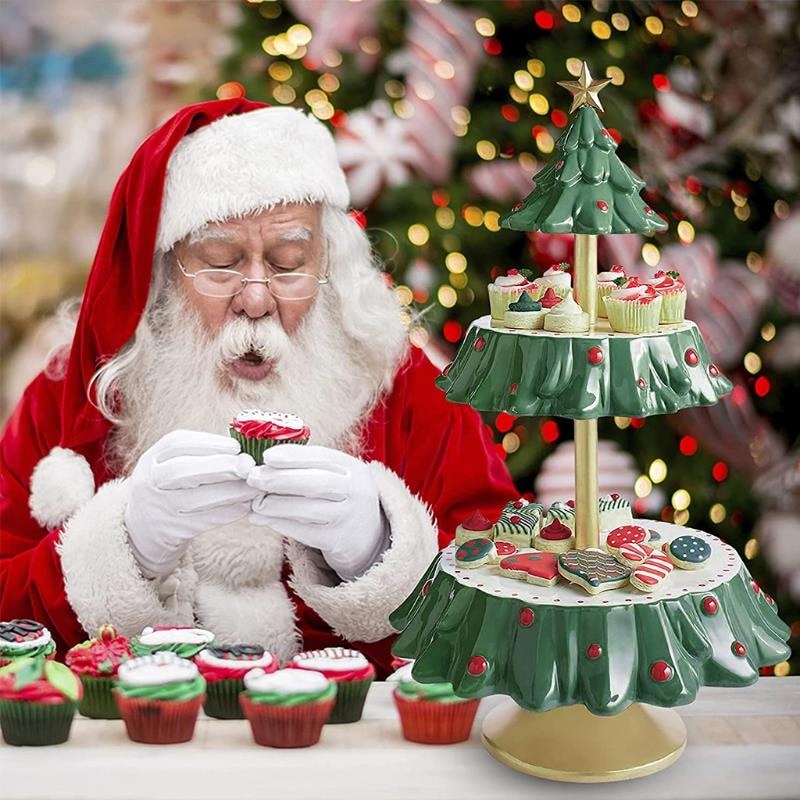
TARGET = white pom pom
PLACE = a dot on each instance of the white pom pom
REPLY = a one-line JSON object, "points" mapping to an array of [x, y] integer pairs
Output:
{"points": [[60, 484]]}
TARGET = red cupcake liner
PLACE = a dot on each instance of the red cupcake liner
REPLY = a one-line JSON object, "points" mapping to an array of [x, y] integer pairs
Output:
{"points": [[286, 726], [159, 721], [435, 722]]}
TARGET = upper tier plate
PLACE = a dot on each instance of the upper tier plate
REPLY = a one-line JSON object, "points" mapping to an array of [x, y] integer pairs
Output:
{"points": [[583, 375]]}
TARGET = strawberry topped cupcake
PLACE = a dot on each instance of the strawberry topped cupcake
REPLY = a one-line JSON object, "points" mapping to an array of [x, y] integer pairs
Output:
{"points": [[505, 290], [96, 662], [349, 670], [257, 431], [556, 278], [224, 667], [24, 638], [185, 642], [608, 282], [672, 291], [634, 308]]}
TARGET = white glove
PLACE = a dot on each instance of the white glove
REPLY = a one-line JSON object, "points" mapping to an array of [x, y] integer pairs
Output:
{"points": [[322, 498], [187, 483]]}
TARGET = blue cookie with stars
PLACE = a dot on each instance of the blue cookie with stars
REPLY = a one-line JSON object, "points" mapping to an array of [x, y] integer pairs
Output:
{"points": [[689, 552]]}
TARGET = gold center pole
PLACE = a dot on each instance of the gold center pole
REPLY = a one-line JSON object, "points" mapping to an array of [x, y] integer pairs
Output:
{"points": [[587, 514]]}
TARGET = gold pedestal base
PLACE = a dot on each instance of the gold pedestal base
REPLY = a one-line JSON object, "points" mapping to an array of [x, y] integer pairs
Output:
{"points": [[572, 744]]}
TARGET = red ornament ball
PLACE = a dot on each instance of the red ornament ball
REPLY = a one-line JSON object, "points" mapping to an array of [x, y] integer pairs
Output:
{"points": [[648, 211], [738, 649], [526, 617], [516, 207], [660, 671], [602, 205], [595, 355], [480, 343], [426, 587], [710, 606], [593, 652], [713, 371], [691, 357], [756, 588], [641, 383], [477, 665], [513, 388]]}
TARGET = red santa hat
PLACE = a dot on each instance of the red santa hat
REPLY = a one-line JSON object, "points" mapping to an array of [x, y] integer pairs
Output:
{"points": [[209, 162]]}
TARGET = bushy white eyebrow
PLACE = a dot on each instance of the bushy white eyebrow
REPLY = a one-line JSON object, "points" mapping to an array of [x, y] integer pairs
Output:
{"points": [[208, 232], [297, 235]]}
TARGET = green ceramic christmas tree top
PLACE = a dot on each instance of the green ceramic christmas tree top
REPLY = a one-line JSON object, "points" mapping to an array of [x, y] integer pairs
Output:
{"points": [[587, 188]]}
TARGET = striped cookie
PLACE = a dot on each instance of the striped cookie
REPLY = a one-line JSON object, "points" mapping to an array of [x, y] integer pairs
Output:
{"points": [[633, 553], [625, 534], [651, 573], [563, 512], [614, 511], [689, 552], [518, 525], [476, 553], [538, 568], [593, 570]]}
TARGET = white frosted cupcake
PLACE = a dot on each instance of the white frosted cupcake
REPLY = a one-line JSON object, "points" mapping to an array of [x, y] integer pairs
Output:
{"points": [[567, 317], [634, 308], [524, 314], [556, 278], [607, 283], [505, 290]]}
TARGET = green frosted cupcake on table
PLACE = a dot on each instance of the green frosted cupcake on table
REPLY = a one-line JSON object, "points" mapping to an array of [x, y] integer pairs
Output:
{"points": [[431, 713], [289, 707], [224, 667], [159, 698], [185, 642], [38, 698], [634, 308], [256, 431], [348, 669], [24, 638], [96, 662], [672, 291]]}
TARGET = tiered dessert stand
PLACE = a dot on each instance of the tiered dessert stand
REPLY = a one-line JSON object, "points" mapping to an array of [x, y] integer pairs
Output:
{"points": [[592, 679]]}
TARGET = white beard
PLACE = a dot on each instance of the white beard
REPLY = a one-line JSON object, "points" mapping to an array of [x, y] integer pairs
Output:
{"points": [[180, 380]]}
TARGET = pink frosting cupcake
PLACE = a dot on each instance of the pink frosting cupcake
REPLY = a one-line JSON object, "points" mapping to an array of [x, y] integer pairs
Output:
{"points": [[607, 282], [258, 430], [634, 308], [673, 294]]}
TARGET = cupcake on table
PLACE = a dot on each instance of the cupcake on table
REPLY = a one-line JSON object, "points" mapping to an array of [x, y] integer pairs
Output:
{"points": [[159, 698], [223, 667], [349, 670], [556, 278], [608, 282], [672, 291], [38, 698], [431, 713], [634, 308], [505, 290], [287, 708], [96, 662], [24, 638], [184, 642], [256, 431], [567, 317], [524, 314]]}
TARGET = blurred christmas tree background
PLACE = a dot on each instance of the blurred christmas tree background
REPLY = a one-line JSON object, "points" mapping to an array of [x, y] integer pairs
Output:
{"points": [[443, 112]]}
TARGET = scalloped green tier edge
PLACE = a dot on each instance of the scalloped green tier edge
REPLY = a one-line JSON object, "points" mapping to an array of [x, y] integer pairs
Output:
{"points": [[449, 628], [536, 376]]}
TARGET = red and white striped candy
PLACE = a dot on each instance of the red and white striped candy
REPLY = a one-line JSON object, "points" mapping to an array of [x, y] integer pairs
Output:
{"points": [[634, 553], [653, 571]]}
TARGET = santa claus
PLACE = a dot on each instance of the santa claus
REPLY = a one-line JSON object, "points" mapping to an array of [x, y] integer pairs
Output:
{"points": [[230, 276]]}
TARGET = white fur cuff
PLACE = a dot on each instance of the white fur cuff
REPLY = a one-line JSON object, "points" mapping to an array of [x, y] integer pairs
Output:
{"points": [[359, 610], [102, 580], [60, 484]]}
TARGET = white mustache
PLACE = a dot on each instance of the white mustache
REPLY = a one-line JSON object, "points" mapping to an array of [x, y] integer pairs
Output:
{"points": [[264, 337]]}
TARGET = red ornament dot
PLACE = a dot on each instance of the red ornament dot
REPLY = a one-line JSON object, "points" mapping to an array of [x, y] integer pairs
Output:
{"points": [[594, 651], [710, 606], [691, 357], [595, 355], [559, 164], [660, 671], [641, 383], [604, 132], [769, 599], [648, 210], [738, 649], [447, 369], [516, 207], [713, 371], [426, 587], [480, 343], [526, 617], [477, 665], [602, 205], [756, 587], [513, 388]]}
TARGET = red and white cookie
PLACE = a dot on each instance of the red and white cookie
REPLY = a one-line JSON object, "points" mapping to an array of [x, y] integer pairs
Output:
{"points": [[538, 568], [652, 572], [555, 537], [505, 549], [625, 534], [633, 553]]}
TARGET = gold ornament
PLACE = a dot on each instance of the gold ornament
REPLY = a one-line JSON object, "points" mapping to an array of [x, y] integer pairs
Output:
{"points": [[585, 90]]}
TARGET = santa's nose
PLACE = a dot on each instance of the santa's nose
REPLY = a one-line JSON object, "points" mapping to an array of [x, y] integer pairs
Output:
{"points": [[255, 300]]}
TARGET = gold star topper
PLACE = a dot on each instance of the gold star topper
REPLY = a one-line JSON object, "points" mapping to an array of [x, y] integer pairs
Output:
{"points": [[585, 90]]}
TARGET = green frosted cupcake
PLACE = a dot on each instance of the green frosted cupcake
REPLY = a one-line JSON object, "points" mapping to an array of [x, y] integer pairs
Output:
{"points": [[258, 430], [524, 314], [184, 642], [24, 638], [38, 698], [96, 662], [634, 308], [672, 291]]}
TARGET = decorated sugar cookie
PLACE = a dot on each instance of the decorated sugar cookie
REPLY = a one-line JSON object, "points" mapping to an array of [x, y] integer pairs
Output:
{"points": [[625, 534], [655, 537], [519, 522], [476, 526], [505, 549], [593, 570], [554, 538], [633, 553], [689, 552], [564, 512], [615, 510], [476, 553], [652, 572], [537, 568]]}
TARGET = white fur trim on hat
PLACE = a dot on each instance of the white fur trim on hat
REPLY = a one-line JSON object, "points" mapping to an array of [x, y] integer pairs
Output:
{"points": [[60, 484], [245, 163]]}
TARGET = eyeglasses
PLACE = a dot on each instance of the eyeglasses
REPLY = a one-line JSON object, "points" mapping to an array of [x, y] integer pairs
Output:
{"points": [[229, 282]]}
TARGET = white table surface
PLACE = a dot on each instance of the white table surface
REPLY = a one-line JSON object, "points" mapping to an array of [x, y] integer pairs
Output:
{"points": [[743, 743]]}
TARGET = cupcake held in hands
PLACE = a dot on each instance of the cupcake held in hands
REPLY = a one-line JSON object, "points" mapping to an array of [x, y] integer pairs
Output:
{"points": [[256, 431]]}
